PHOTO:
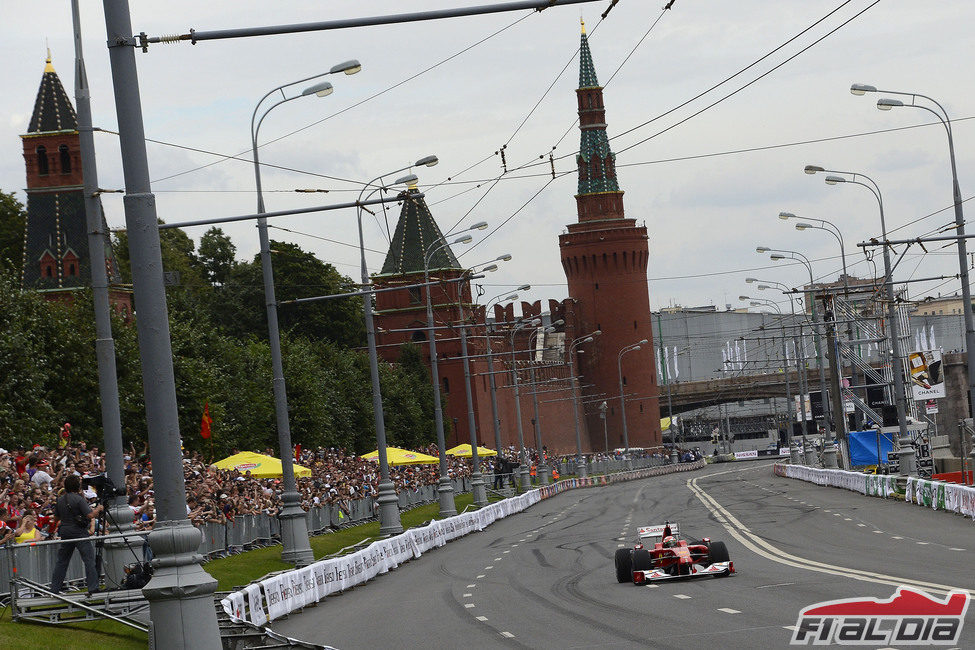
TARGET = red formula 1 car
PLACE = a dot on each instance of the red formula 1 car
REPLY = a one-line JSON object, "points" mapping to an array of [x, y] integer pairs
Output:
{"points": [[671, 557]]}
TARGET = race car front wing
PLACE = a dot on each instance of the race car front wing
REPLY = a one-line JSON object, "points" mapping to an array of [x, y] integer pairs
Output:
{"points": [[713, 570]]}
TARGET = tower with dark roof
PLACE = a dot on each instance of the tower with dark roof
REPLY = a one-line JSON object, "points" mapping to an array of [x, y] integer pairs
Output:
{"points": [[604, 255], [56, 258]]}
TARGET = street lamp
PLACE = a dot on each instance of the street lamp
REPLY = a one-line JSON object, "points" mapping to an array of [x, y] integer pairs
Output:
{"points": [[389, 517], [834, 230], [886, 104], [445, 491], [490, 358], [602, 415], [619, 367], [478, 490], [582, 470], [544, 473], [906, 458], [296, 548], [523, 467], [829, 452]]}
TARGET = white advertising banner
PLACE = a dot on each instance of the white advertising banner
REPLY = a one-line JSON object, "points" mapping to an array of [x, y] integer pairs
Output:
{"points": [[927, 374]]}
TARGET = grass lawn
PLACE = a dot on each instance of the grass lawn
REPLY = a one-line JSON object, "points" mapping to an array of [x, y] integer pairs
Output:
{"points": [[230, 572], [105, 635]]}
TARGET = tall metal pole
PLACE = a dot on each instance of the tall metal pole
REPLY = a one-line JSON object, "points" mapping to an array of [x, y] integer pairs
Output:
{"points": [[619, 367], [963, 262], [670, 405], [582, 470], [180, 593], [445, 491], [119, 515], [478, 490], [543, 471], [523, 467], [295, 545]]}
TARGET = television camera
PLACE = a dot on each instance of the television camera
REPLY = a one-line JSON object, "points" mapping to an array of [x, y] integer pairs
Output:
{"points": [[103, 486]]}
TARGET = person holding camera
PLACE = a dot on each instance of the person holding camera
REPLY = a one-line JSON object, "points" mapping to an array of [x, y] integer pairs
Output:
{"points": [[74, 515]]}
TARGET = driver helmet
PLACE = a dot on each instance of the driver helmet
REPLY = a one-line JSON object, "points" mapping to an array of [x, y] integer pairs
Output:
{"points": [[670, 541]]}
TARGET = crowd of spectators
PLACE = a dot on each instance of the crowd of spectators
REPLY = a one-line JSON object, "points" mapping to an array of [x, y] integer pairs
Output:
{"points": [[31, 480]]}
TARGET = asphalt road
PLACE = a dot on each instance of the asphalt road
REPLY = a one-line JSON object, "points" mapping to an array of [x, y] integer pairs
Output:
{"points": [[545, 578]]}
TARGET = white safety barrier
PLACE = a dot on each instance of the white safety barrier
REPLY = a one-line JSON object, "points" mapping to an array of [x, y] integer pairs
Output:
{"points": [[271, 598], [882, 486], [939, 495]]}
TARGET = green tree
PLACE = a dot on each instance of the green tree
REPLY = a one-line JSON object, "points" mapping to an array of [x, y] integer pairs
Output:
{"points": [[240, 307], [13, 220], [217, 255]]}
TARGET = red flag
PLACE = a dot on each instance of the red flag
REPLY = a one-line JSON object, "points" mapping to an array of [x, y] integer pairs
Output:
{"points": [[298, 452], [205, 423]]}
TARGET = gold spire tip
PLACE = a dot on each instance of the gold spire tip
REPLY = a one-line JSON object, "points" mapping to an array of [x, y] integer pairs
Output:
{"points": [[48, 67], [582, 21]]}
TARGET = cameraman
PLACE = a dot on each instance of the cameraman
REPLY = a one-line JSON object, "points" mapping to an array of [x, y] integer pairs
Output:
{"points": [[74, 515]]}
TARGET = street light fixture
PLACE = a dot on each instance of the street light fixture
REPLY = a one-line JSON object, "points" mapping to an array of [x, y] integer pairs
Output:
{"points": [[885, 104], [523, 468], [296, 548], [582, 471], [389, 517], [619, 367], [907, 457], [445, 491]]}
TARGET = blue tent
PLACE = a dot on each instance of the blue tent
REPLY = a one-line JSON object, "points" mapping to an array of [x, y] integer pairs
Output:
{"points": [[863, 447]]}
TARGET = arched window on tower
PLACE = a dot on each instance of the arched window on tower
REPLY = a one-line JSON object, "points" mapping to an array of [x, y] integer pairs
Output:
{"points": [[48, 265], [42, 168], [65, 159]]}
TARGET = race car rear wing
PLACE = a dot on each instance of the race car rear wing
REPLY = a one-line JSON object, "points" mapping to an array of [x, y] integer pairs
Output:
{"points": [[658, 530]]}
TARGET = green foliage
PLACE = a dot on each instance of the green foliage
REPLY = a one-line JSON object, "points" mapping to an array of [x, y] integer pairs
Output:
{"points": [[13, 219]]}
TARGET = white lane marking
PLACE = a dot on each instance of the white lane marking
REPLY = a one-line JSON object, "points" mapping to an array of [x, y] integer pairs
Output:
{"points": [[728, 610], [827, 511], [956, 549], [481, 618], [489, 567], [482, 576], [469, 605], [681, 596], [497, 559], [513, 545], [622, 545], [847, 519], [505, 552], [862, 525], [895, 536], [923, 543], [467, 596], [653, 586], [758, 545], [472, 586], [778, 584], [791, 628], [878, 531], [835, 514], [508, 634]]}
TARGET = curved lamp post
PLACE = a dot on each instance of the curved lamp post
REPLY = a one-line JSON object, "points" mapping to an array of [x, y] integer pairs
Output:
{"points": [[829, 451], [907, 464], [490, 358], [544, 472], [445, 491], [582, 471], [619, 367], [523, 466], [478, 491], [886, 104], [296, 548], [389, 517]]}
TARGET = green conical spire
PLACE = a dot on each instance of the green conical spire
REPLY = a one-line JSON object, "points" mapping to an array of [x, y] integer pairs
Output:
{"points": [[587, 71], [416, 233], [597, 163]]}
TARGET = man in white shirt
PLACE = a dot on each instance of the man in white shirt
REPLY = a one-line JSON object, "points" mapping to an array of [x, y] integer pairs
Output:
{"points": [[41, 478]]}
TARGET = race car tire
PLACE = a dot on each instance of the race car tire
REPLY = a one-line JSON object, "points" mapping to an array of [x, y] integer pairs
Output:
{"points": [[718, 552], [624, 565], [641, 560]]}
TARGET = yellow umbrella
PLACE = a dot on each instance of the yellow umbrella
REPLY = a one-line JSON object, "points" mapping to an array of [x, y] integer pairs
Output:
{"points": [[664, 424], [397, 456], [464, 451], [259, 465]]}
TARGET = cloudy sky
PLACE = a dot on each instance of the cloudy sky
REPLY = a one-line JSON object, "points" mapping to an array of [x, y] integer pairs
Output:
{"points": [[707, 175]]}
